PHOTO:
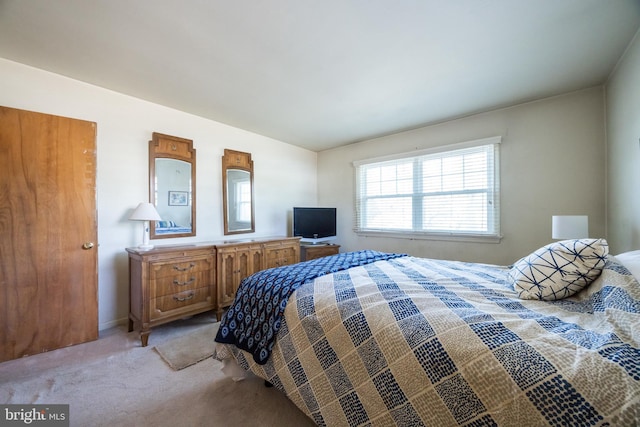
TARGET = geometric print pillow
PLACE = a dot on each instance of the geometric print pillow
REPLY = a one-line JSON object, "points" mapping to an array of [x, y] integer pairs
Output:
{"points": [[559, 269]]}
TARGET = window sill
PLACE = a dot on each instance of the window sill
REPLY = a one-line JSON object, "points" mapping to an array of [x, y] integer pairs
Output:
{"points": [[451, 237]]}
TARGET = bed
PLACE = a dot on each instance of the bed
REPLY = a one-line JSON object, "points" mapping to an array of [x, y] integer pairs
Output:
{"points": [[168, 227], [368, 338]]}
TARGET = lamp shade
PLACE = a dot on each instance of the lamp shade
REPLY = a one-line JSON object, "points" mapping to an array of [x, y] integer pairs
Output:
{"points": [[145, 212], [569, 227]]}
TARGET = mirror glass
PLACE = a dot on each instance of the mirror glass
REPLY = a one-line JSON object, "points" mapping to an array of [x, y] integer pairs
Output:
{"points": [[172, 186], [239, 200], [237, 176]]}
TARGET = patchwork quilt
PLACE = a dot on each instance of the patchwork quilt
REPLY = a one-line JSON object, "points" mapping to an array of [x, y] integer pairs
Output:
{"points": [[411, 341]]}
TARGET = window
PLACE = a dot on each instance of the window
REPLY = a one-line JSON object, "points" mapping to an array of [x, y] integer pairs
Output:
{"points": [[451, 192], [243, 196]]}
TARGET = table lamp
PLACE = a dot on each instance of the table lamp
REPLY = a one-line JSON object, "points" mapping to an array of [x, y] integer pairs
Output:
{"points": [[145, 212], [569, 227]]}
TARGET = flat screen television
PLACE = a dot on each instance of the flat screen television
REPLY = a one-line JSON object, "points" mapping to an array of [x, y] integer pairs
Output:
{"points": [[314, 225]]}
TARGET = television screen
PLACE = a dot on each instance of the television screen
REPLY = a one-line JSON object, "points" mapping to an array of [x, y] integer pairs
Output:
{"points": [[314, 224]]}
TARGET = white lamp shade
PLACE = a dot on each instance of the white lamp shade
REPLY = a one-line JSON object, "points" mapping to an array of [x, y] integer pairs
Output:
{"points": [[145, 212], [570, 227]]}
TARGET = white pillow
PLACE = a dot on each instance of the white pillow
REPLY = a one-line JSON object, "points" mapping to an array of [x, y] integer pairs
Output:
{"points": [[631, 260], [560, 269]]}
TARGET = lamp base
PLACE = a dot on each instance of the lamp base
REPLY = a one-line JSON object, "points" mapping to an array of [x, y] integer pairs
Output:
{"points": [[145, 246]]}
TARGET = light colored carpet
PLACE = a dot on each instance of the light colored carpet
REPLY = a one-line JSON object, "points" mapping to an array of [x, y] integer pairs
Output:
{"points": [[115, 382], [189, 349]]}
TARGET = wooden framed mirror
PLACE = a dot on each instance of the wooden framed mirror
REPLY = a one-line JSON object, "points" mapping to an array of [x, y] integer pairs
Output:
{"points": [[237, 192], [172, 186]]}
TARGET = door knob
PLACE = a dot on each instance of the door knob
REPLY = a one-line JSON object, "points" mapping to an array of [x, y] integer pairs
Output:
{"points": [[87, 245]]}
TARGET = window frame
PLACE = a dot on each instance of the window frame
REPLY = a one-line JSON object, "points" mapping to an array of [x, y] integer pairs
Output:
{"points": [[493, 233]]}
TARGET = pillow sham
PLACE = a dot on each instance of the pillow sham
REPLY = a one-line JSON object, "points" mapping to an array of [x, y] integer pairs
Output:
{"points": [[631, 260], [560, 269], [166, 224]]}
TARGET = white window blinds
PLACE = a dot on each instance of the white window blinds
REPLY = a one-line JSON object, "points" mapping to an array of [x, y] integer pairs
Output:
{"points": [[452, 192]]}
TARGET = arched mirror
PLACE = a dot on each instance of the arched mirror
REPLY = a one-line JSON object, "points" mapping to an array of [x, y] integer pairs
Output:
{"points": [[172, 186], [237, 192]]}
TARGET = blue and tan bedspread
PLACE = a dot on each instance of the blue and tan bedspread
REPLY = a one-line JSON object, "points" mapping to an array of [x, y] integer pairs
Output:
{"points": [[254, 318], [411, 341]]}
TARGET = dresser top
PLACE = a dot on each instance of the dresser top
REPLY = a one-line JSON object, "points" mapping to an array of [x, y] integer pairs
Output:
{"points": [[160, 249]]}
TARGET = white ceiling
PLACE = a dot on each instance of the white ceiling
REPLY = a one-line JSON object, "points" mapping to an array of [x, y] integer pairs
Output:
{"points": [[324, 73]]}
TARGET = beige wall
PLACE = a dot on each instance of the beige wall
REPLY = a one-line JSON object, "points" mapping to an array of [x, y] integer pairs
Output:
{"points": [[125, 125], [552, 162], [623, 152]]}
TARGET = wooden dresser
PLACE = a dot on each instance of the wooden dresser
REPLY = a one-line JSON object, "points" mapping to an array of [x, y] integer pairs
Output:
{"points": [[170, 282], [175, 281], [240, 259]]}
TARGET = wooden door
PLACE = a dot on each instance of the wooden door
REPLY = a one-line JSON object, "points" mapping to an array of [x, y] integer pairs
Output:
{"points": [[48, 233]]}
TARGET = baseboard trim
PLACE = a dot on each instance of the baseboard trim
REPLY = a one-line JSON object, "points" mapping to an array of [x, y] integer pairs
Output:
{"points": [[112, 324]]}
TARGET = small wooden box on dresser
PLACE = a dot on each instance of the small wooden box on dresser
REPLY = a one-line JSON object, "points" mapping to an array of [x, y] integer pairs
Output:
{"points": [[171, 282]]}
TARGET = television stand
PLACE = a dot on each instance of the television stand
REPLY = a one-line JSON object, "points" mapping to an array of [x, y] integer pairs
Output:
{"points": [[317, 250]]}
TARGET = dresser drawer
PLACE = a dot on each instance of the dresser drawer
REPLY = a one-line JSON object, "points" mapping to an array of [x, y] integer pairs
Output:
{"points": [[318, 251], [180, 267], [170, 304], [326, 251], [280, 253], [183, 282]]}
